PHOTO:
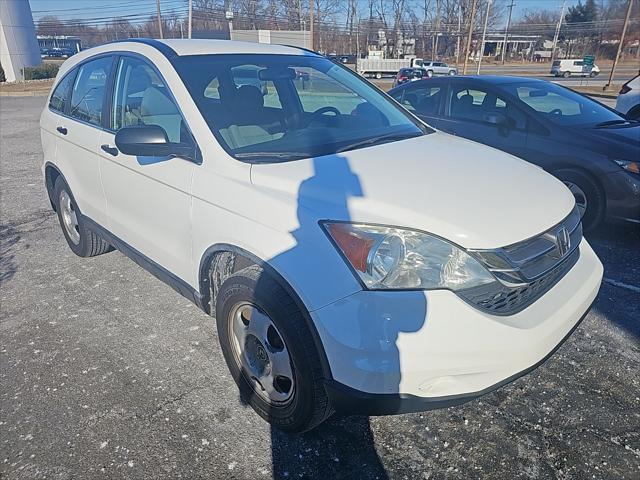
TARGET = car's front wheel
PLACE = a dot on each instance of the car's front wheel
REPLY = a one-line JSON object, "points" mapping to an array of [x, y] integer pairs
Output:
{"points": [[566, 74], [81, 240], [429, 73], [270, 352], [589, 197]]}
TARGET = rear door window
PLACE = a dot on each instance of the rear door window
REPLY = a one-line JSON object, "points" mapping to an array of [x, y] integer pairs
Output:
{"points": [[422, 100], [87, 97]]}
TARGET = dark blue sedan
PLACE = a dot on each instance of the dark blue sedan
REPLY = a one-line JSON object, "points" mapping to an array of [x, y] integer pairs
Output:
{"points": [[593, 149]]}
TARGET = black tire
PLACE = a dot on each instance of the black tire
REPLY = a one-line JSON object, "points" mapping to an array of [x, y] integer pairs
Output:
{"points": [[592, 74], [378, 75], [596, 201], [566, 74], [89, 243], [309, 405]]}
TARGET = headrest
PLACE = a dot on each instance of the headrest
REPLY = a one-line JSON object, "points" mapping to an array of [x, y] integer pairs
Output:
{"points": [[156, 102], [248, 97], [465, 100]]}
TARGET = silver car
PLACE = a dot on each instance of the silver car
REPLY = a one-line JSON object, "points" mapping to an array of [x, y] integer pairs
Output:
{"points": [[438, 68]]}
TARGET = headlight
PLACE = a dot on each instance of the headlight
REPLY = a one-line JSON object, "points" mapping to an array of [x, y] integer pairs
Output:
{"points": [[394, 258], [629, 166]]}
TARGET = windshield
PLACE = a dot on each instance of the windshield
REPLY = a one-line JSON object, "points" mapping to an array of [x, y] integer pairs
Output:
{"points": [[563, 106], [267, 108]]}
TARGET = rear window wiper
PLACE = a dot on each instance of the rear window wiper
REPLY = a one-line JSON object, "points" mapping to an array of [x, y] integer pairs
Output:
{"points": [[378, 140]]}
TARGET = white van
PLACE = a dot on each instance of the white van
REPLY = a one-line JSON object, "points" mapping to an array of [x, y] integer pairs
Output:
{"points": [[576, 66]]}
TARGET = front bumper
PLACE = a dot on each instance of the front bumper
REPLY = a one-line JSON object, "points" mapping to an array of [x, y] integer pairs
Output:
{"points": [[623, 196], [401, 351]]}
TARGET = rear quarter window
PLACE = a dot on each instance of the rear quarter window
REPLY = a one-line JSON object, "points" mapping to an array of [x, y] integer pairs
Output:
{"points": [[60, 95]]}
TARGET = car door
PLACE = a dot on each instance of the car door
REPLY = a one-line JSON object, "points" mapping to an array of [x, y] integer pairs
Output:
{"points": [[423, 99], [479, 113], [78, 129], [148, 198]]}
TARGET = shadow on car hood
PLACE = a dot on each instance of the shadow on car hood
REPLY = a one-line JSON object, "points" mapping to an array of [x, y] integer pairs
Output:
{"points": [[471, 194]]}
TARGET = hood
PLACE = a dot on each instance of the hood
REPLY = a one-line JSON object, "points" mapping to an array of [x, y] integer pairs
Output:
{"points": [[471, 194], [624, 138]]}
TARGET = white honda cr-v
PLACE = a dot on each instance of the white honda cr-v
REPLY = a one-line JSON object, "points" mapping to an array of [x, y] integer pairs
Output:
{"points": [[347, 270]]}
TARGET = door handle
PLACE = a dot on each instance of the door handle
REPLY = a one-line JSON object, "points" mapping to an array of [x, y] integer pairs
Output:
{"points": [[110, 150], [62, 130]]}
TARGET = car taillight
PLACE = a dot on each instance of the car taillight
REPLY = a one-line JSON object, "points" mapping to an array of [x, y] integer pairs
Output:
{"points": [[402, 78], [625, 89]]}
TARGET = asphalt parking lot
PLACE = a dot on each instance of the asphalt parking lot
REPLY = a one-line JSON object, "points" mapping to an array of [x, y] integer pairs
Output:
{"points": [[108, 373]]}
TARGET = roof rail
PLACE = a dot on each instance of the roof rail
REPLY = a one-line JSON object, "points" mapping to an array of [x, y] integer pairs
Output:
{"points": [[162, 47]]}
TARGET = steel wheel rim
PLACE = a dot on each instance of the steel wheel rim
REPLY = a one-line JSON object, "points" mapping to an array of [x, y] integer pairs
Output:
{"points": [[261, 354], [579, 195], [69, 217]]}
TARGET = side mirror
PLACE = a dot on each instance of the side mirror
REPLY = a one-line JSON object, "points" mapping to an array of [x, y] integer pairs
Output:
{"points": [[495, 118], [151, 141]]}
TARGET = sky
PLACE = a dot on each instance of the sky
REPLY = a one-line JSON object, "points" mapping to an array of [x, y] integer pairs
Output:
{"points": [[109, 8]]}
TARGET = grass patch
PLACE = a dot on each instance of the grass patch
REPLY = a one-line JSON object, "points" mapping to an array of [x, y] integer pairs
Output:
{"points": [[46, 70]]}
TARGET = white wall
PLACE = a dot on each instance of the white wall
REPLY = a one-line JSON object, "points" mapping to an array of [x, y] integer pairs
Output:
{"points": [[18, 43]]}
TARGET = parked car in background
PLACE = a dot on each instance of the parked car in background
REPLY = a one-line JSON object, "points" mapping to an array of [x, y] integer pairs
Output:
{"points": [[347, 269], [408, 75], [628, 101], [590, 147], [438, 68], [573, 67], [344, 59]]}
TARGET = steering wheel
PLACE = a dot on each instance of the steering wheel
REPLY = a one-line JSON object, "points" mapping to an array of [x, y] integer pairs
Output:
{"points": [[323, 110], [555, 111]]}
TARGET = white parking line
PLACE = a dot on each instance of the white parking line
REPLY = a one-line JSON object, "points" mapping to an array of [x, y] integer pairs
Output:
{"points": [[616, 283]]}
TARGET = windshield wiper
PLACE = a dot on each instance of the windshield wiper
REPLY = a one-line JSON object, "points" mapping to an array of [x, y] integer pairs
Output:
{"points": [[267, 157], [377, 141], [612, 122]]}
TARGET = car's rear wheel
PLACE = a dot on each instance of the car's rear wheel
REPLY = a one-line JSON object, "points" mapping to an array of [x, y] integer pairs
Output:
{"points": [[270, 352], [566, 74], [589, 197], [429, 73], [378, 75], [81, 240]]}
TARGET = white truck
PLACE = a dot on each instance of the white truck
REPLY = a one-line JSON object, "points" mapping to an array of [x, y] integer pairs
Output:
{"points": [[379, 67]]}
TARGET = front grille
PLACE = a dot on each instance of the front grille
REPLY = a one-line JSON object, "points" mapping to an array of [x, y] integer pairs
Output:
{"points": [[528, 269]]}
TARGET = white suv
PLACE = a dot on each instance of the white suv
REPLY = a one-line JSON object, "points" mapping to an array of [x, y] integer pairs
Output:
{"points": [[347, 270]]}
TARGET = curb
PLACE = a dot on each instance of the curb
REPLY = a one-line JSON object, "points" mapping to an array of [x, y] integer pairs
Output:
{"points": [[32, 93]]}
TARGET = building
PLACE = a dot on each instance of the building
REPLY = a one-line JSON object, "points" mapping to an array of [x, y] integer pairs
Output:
{"points": [[60, 41], [294, 38], [18, 45]]}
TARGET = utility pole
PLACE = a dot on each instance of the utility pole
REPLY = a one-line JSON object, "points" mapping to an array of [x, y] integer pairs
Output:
{"points": [[484, 34], [190, 29], [506, 32], [557, 34], [459, 34], [311, 21], [470, 34], [620, 46], [434, 47], [159, 18]]}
